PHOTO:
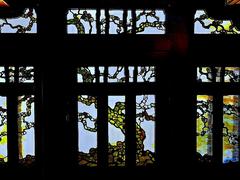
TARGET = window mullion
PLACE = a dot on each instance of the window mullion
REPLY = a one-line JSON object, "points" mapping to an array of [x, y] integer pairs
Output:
{"points": [[12, 129], [217, 129], [102, 125], [130, 126]]}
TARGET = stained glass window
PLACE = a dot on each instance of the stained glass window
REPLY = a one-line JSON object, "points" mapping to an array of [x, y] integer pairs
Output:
{"points": [[26, 129], [87, 130], [150, 22], [204, 127], [3, 129], [145, 130], [115, 74], [26, 23], [207, 25], [116, 131], [84, 21], [25, 74], [231, 128]]}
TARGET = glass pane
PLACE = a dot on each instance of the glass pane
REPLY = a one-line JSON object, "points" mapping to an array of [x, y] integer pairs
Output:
{"points": [[218, 73], [26, 74], [116, 22], [116, 74], [206, 25], [3, 129], [116, 131], [146, 74], [86, 74], [204, 127], [231, 74], [208, 74], [204, 74], [145, 130], [101, 75], [26, 129], [231, 128], [2, 74], [11, 70], [81, 21], [129, 22], [87, 130], [102, 21], [26, 23], [150, 22], [131, 73]]}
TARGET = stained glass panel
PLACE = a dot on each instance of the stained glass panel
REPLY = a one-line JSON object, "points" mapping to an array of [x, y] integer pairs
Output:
{"points": [[102, 74], [204, 127], [116, 22], [26, 129], [81, 21], [206, 25], [131, 73], [116, 74], [3, 129], [232, 74], [145, 130], [146, 74], [103, 21], [116, 131], [150, 22], [209, 74], [204, 74], [26, 74], [2, 74], [87, 130], [26, 23], [86, 74], [11, 70], [231, 128], [129, 22], [217, 72]]}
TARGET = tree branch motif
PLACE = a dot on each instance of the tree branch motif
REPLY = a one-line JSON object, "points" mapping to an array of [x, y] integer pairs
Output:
{"points": [[28, 14], [216, 26], [231, 110], [80, 16], [204, 128], [116, 117], [149, 14], [117, 74]]}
